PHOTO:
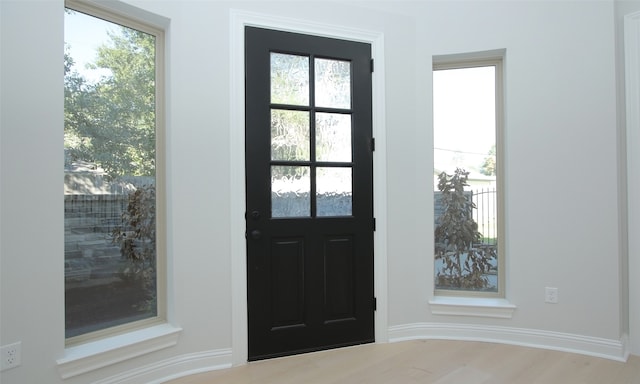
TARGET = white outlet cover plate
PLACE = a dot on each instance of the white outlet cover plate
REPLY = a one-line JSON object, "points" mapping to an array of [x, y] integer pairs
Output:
{"points": [[11, 356], [551, 295]]}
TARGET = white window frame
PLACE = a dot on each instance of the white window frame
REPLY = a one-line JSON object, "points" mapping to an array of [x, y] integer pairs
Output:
{"points": [[121, 17], [452, 302]]}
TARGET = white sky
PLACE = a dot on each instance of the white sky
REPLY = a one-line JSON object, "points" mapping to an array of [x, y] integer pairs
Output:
{"points": [[463, 116]]}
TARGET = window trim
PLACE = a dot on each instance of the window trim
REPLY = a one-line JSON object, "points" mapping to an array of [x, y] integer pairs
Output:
{"points": [[494, 58], [120, 14]]}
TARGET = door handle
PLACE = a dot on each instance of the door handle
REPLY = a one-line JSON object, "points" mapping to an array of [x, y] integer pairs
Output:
{"points": [[256, 234]]}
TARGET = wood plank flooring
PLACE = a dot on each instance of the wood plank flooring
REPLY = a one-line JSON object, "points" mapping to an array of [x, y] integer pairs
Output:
{"points": [[429, 361]]}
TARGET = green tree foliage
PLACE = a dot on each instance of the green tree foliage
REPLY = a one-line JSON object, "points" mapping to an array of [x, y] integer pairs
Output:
{"points": [[112, 123], [79, 100], [465, 261], [488, 167]]}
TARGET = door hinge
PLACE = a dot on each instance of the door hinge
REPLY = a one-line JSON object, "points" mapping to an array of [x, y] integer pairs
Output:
{"points": [[371, 65], [375, 304], [374, 224], [373, 144]]}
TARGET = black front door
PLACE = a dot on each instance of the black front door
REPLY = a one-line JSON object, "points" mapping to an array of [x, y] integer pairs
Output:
{"points": [[309, 208]]}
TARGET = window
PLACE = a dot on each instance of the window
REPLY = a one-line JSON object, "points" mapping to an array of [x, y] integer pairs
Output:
{"points": [[467, 108], [113, 195]]}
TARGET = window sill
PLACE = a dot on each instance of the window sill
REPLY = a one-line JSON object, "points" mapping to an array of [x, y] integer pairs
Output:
{"points": [[101, 353], [472, 306]]}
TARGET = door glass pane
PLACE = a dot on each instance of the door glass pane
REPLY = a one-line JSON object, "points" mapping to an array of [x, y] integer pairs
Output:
{"points": [[289, 135], [333, 83], [334, 191], [333, 137], [289, 79], [290, 191]]}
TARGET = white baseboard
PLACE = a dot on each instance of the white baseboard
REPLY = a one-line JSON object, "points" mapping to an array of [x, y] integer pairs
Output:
{"points": [[173, 368], [566, 342]]}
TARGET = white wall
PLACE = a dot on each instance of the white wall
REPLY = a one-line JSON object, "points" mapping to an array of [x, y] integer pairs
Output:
{"points": [[32, 237], [629, 132], [560, 127]]}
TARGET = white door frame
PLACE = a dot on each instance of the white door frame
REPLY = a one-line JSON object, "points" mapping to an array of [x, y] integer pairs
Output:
{"points": [[632, 87], [238, 20]]}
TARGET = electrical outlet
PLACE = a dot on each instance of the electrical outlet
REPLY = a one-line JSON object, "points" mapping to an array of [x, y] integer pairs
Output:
{"points": [[10, 356], [551, 295]]}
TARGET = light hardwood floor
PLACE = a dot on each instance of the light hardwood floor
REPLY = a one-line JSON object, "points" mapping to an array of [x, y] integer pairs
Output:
{"points": [[429, 361]]}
